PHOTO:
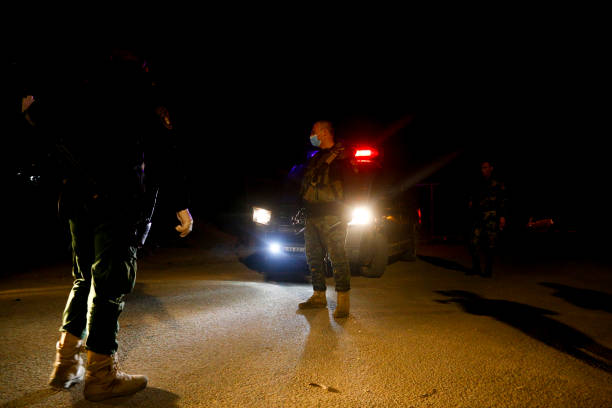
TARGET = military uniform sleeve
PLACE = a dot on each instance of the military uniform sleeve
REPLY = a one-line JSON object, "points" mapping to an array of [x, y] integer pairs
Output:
{"points": [[165, 165]]}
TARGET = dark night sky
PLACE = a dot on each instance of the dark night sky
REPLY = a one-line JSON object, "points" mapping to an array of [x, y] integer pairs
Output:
{"points": [[534, 111], [245, 107]]}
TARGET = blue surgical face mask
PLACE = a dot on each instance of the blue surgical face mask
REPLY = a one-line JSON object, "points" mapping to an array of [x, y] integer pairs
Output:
{"points": [[315, 141]]}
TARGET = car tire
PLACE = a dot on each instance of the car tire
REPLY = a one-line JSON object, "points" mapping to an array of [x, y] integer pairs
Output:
{"points": [[270, 270], [380, 257], [409, 255]]}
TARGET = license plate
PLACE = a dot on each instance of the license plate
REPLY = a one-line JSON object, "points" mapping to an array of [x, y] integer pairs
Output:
{"points": [[294, 249]]}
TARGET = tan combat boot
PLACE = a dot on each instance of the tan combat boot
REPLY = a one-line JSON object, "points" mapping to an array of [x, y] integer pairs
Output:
{"points": [[68, 368], [317, 300], [344, 304], [104, 380]]}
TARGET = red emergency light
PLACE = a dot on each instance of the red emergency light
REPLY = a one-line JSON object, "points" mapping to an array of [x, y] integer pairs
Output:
{"points": [[365, 154]]}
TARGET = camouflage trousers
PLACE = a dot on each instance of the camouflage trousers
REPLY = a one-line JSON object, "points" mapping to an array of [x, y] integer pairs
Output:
{"points": [[484, 232], [327, 235], [103, 262]]}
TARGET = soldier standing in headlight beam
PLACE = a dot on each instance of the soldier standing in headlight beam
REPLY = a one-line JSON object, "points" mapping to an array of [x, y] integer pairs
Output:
{"points": [[325, 189]]}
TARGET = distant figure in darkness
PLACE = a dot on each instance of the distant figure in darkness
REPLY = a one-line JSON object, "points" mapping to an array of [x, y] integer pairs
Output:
{"points": [[487, 204]]}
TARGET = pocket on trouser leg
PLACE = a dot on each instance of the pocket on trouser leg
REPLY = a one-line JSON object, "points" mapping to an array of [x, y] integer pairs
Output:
{"points": [[114, 277], [114, 272], [339, 260]]}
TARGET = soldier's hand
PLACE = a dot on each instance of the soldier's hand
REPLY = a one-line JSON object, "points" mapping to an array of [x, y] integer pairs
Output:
{"points": [[26, 102], [186, 222]]}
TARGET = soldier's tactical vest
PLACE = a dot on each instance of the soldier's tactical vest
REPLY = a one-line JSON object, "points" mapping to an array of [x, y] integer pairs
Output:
{"points": [[317, 185]]}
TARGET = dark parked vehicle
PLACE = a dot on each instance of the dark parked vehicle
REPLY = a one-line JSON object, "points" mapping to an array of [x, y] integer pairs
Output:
{"points": [[384, 222]]}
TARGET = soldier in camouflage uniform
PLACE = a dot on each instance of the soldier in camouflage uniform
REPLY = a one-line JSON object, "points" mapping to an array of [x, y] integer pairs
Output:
{"points": [[488, 206], [324, 191], [117, 123]]}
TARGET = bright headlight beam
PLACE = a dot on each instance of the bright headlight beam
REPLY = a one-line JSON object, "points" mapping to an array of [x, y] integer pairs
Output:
{"points": [[361, 216], [275, 247], [261, 215]]}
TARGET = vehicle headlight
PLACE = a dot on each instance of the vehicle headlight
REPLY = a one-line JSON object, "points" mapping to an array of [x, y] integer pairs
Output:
{"points": [[275, 248], [362, 216], [261, 215]]}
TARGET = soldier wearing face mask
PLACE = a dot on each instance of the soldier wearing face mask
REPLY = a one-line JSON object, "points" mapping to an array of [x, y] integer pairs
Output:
{"points": [[325, 190]]}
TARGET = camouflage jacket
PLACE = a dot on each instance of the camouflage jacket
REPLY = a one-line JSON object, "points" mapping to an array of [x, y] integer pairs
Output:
{"points": [[327, 181], [490, 197]]}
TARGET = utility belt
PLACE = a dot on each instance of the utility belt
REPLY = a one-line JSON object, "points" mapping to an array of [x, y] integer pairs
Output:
{"points": [[135, 211]]}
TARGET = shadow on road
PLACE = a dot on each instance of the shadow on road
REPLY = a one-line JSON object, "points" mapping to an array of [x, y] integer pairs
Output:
{"points": [[149, 397], [319, 348], [535, 323], [254, 261], [444, 263], [291, 271], [30, 398], [153, 306], [147, 304], [585, 298]]}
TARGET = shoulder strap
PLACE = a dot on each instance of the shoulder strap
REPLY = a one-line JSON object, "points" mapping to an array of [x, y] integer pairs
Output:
{"points": [[335, 152]]}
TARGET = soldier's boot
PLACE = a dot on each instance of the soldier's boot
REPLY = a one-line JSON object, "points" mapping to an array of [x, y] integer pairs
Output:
{"points": [[104, 379], [342, 309], [316, 301], [68, 367]]}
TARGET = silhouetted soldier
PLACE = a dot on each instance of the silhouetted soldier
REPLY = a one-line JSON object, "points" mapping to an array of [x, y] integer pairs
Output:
{"points": [[487, 203], [113, 126]]}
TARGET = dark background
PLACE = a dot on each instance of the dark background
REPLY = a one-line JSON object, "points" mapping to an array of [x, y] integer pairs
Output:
{"points": [[243, 108], [535, 112]]}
